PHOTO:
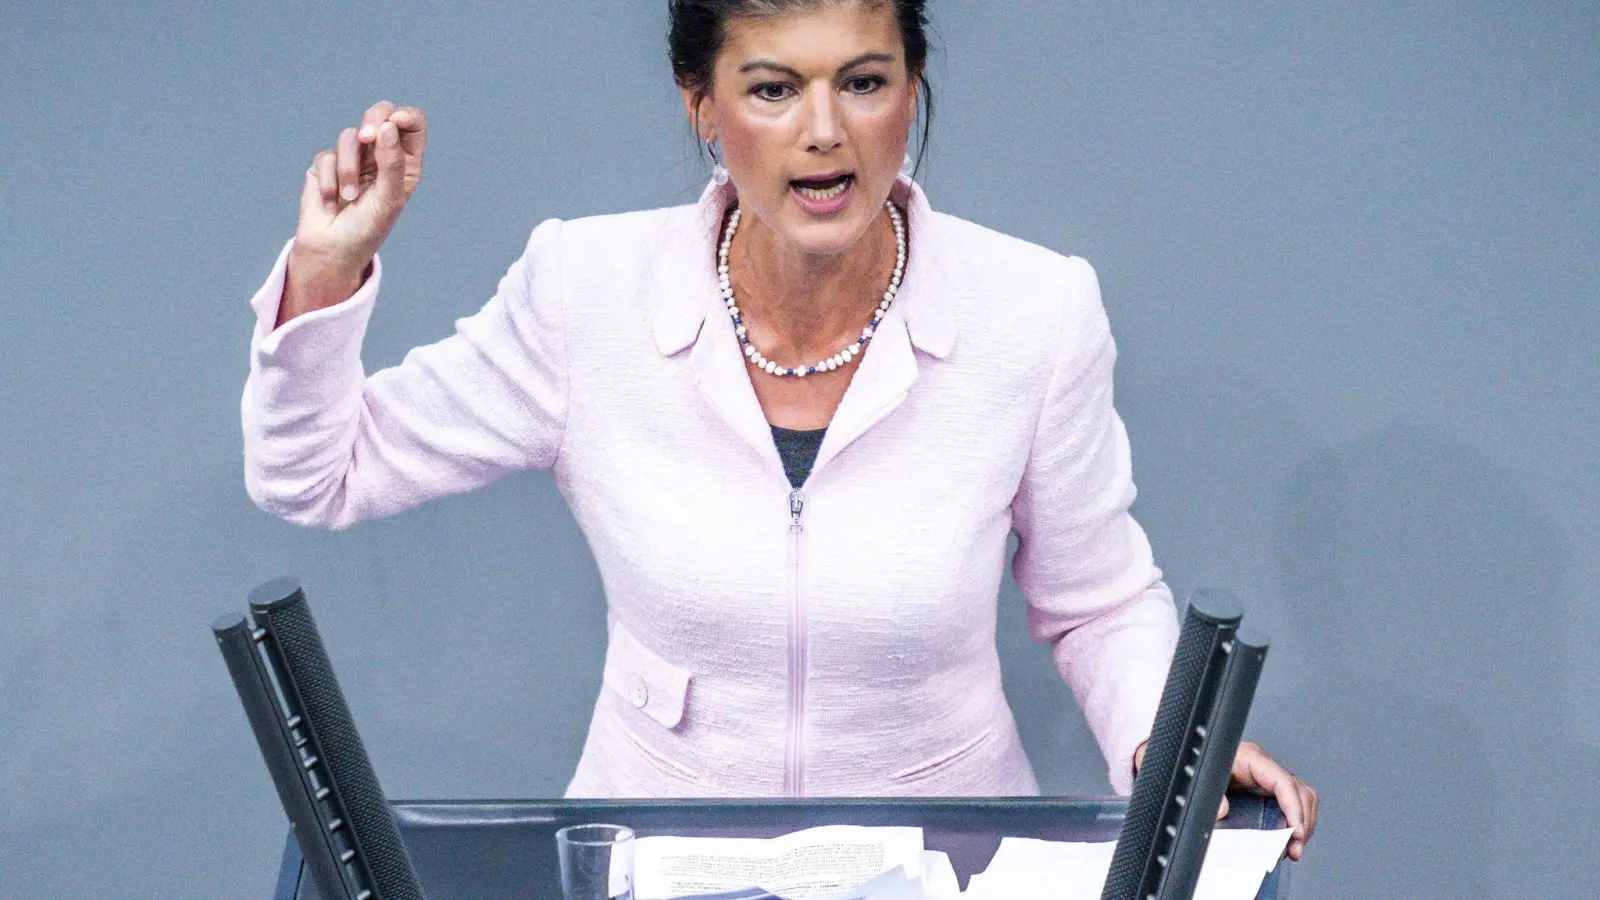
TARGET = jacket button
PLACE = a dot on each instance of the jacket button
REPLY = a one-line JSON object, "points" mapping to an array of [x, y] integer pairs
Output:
{"points": [[641, 693]]}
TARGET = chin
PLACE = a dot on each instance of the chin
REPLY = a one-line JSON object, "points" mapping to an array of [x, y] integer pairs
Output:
{"points": [[828, 238]]}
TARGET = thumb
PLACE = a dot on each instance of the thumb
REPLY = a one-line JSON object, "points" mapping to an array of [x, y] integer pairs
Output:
{"points": [[1222, 809], [389, 189], [317, 203]]}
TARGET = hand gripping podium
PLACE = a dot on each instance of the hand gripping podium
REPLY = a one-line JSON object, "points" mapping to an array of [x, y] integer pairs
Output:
{"points": [[347, 842]]}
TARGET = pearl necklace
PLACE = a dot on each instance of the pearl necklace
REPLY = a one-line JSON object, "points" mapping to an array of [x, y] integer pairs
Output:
{"points": [[843, 357]]}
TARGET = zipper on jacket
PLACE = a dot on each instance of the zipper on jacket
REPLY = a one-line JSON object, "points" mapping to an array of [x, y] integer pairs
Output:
{"points": [[794, 749]]}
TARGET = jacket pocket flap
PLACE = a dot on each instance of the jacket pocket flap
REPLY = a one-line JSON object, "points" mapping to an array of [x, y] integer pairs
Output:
{"points": [[646, 681]]}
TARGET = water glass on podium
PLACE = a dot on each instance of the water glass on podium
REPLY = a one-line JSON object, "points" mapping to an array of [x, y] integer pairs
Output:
{"points": [[596, 862]]}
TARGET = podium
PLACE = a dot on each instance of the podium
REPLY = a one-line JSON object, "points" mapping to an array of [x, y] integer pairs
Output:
{"points": [[506, 850]]}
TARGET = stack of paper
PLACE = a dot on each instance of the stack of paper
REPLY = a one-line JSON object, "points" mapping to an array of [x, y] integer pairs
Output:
{"points": [[849, 862], [833, 862]]}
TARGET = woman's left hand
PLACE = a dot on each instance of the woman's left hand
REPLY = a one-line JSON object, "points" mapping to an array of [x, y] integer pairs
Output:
{"points": [[1259, 773], [1255, 771]]}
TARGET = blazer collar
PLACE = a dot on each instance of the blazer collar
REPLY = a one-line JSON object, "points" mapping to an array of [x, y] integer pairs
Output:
{"points": [[685, 279]]}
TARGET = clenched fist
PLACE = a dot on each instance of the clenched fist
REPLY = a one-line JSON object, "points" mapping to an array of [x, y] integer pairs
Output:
{"points": [[353, 195]]}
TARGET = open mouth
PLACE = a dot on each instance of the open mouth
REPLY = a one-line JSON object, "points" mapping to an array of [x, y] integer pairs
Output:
{"points": [[822, 189]]}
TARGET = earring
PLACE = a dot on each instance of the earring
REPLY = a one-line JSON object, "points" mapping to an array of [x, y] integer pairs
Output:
{"points": [[719, 173], [908, 166]]}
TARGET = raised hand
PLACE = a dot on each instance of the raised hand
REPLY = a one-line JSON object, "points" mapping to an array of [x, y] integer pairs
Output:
{"points": [[352, 197]]}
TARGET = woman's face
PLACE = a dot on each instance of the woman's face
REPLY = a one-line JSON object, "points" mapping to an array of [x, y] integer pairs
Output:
{"points": [[812, 110]]}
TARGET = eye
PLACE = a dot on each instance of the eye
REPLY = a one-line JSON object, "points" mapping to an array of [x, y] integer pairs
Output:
{"points": [[772, 91], [865, 84]]}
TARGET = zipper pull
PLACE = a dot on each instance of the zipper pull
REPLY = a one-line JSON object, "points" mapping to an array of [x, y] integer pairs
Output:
{"points": [[797, 505]]}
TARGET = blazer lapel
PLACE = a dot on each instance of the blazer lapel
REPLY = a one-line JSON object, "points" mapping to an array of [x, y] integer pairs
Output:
{"points": [[720, 369], [921, 319], [887, 371], [687, 314]]}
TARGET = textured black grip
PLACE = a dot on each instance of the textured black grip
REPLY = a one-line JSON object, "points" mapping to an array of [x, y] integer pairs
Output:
{"points": [[1160, 803], [377, 858], [1215, 767], [238, 641]]}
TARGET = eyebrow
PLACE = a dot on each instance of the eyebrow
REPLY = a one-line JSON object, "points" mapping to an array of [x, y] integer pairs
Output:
{"points": [[861, 60]]}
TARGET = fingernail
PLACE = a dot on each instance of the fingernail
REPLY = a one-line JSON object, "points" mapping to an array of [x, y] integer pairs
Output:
{"points": [[388, 135], [366, 132], [348, 192]]}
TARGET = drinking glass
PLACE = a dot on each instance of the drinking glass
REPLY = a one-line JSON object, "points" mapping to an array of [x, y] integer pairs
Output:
{"points": [[596, 862]]}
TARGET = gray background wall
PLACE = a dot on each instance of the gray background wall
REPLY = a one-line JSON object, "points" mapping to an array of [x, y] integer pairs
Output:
{"points": [[1352, 256]]}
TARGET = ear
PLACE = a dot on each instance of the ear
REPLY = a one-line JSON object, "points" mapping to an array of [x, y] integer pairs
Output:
{"points": [[702, 115]]}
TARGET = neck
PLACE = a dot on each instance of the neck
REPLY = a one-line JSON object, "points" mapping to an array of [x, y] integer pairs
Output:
{"points": [[805, 306]]}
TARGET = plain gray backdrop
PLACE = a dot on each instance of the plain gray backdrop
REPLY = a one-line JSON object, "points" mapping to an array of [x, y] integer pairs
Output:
{"points": [[1351, 254]]}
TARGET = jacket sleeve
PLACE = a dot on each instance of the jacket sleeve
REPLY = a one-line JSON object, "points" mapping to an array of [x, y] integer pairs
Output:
{"points": [[326, 445], [1083, 564]]}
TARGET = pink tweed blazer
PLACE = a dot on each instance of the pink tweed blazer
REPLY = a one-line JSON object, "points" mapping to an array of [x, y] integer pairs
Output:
{"points": [[837, 640]]}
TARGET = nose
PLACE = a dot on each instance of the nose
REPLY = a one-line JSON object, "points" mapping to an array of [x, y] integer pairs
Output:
{"points": [[823, 131]]}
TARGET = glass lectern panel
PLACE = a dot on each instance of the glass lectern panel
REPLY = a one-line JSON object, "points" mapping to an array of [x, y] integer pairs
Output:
{"points": [[489, 850]]}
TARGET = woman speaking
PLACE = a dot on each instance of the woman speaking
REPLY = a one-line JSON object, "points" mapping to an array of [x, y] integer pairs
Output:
{"points": [[796, 421]]}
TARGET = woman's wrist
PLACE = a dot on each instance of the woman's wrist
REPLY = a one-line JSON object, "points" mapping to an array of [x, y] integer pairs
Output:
{"points": [[311, 283]]}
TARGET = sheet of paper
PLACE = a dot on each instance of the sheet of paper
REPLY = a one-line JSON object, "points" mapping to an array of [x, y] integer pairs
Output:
{"points": [[1235, 865], [1236, 862], [939, 876], [804, 865], [1043, 870], [938, 882], [891, 885]]}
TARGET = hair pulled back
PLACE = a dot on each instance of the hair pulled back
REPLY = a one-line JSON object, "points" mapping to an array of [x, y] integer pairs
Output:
{"points": [[700, 27]]}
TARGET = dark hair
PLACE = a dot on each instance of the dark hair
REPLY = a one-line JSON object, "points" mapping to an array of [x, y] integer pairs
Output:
{"points": [[699, 28]]}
